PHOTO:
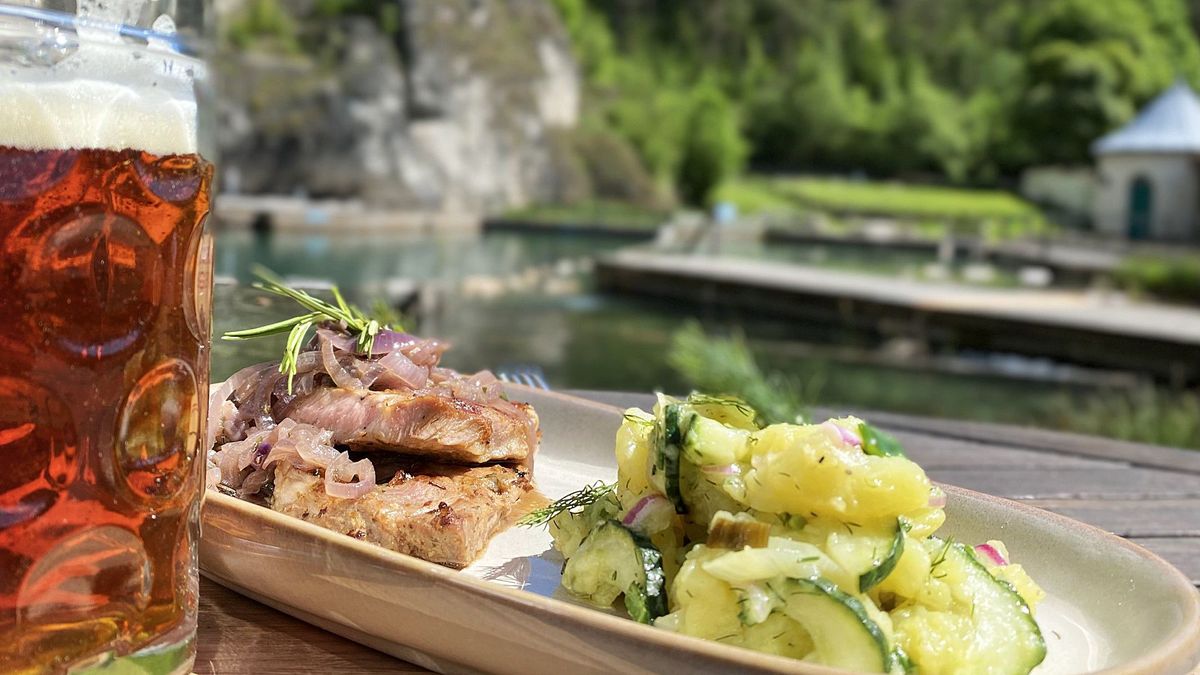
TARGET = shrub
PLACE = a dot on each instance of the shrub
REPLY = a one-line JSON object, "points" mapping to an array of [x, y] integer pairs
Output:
{"points": [[1169, 278], [713, 149], [725, 366], [1144, 414]]}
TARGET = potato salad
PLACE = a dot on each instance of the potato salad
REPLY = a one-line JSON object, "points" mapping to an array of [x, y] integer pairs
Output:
{"points": [[812, 541]]}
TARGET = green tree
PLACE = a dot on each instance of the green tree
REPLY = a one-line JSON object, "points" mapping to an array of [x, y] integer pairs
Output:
{"points": [[1090, 65], [713, 149]]}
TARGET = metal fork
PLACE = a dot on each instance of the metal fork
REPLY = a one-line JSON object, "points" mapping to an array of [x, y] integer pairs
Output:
{"points": [[528, 375]]}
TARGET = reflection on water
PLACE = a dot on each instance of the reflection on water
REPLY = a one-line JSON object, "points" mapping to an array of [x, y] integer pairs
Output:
{"points": [[508, 298]]}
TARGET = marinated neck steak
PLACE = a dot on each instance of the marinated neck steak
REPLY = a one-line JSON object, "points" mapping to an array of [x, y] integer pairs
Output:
{"points": [[443, 513], [420, 423], [449, 457]]}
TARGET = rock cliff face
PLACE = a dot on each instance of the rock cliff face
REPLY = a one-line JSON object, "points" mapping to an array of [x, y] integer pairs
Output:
{"points": [[454, 107]]}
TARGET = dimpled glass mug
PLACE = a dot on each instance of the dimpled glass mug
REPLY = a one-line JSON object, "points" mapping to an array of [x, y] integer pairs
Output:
{"points": [[105, 280]]}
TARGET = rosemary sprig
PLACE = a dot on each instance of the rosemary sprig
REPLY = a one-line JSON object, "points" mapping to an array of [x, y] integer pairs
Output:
{"points": [[578, 499], [353, 319]]}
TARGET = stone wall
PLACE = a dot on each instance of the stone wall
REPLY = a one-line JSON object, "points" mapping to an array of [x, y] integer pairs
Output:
{"points": [[456, 110]]}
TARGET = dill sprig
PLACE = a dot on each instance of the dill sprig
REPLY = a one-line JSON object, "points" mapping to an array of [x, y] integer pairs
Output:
{"points": [[578, 499], [351, 318]]}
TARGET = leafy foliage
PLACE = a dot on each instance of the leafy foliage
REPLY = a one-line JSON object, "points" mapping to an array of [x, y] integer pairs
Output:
{"points": [[713, 150], [726, 367], [1144, 414], [1169, 277], [967, 90]]}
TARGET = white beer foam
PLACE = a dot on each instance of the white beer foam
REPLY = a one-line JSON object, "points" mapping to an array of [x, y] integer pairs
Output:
{"points": [[105, 97]]}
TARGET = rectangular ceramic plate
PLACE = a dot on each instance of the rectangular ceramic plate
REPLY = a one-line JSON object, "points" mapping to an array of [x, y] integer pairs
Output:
{"points": [[1110, 605]]}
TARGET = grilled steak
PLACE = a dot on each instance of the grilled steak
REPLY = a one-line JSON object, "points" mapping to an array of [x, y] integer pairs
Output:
{"points": [[443, 513], [416, 423]]}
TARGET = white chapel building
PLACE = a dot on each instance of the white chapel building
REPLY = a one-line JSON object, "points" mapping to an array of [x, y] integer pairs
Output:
{"points": [[1148, 172]]}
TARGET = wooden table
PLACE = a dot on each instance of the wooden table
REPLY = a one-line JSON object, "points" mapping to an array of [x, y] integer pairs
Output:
{"points": [[1148, 494]]}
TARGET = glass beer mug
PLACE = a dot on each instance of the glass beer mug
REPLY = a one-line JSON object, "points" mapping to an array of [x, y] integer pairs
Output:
{"points": [[105, 278]]}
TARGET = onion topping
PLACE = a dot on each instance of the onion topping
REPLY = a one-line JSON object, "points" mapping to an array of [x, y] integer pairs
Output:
{"points": [[340, 376], [991, 554], [338, 477], [643, 509], [246, 409], [846, 436], [400, 370]]}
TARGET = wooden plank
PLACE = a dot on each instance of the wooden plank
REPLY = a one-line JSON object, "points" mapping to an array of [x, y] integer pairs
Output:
{"points": [[938, 452], [1136, 454], [1131, 518], [1073, 483], [1069, 326], [1183, 553], [239, 635]]}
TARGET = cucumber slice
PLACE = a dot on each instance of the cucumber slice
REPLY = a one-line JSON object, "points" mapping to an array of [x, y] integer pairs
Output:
{"points": [[993, 625], [615, 560], [726, 409], [871, 578], [709, 441], [670, 431], [843, 634]]}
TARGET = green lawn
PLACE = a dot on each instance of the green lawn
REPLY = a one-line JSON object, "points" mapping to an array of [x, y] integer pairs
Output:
{"points": [[755, 194], [902, 200], [927, 210], [592, 213]]}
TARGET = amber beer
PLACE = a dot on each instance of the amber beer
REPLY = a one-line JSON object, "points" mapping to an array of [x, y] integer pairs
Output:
{"points": [[105, 271], [104, 327]]}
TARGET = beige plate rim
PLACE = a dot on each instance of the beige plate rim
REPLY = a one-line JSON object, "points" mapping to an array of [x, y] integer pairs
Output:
{"points": [[1182, 647]]}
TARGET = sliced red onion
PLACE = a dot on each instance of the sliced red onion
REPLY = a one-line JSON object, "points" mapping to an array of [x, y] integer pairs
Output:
{"points": [[400, 370], [337, 483], [722, 469], [439, 375], [387, 341], [231, 475], [937, 500], [254, 482], [338, 339], [319, 455], [215, 401], [335, 370], [988, 551], [308, 362], [427, 352], [247, 379], [284, 451], [843, 433], [637, 515]]}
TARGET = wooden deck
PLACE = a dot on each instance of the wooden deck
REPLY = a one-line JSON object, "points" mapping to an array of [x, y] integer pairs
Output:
{"points": [[1104, 330], [1148, 494]]}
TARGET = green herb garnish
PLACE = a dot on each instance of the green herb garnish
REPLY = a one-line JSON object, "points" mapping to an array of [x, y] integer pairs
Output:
{"points": [[352, 319], [877, 443], [578, 499]]}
